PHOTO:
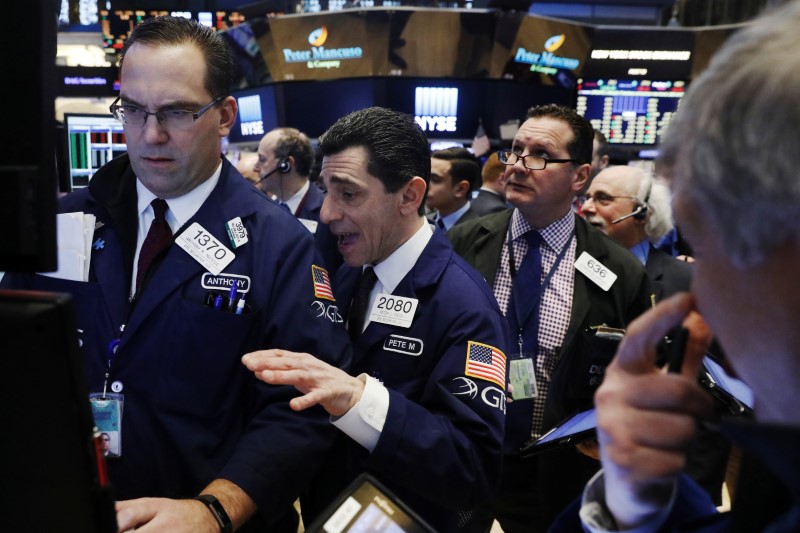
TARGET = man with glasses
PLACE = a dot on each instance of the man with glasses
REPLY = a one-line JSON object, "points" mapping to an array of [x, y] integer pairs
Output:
{"points": [[556, 279], [191, 268]]}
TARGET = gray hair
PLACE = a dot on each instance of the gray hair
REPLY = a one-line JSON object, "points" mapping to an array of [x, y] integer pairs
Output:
{"points": [[733, 146], [658, 197]]}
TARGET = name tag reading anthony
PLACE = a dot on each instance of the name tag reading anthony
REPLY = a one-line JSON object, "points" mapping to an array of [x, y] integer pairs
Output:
{"points": [[393, 310], [595, 271], [205, 248]]}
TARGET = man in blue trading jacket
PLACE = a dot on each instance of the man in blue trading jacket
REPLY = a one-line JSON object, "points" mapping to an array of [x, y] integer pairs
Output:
{"points": [[425, 414], [156, 330], [285, 158], [575, 280]]}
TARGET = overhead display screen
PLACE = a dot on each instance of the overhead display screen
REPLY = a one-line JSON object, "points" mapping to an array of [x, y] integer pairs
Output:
{"points": [[635, 112], [325, 46], [531, 48]]}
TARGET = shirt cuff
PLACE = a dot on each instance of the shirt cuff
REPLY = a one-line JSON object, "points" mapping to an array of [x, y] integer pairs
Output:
{"points": [[596, 518], [364, 421]]}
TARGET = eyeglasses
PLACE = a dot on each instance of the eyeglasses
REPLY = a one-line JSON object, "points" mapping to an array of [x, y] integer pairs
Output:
{"points": [[530, 161], [602, 198], [179, 119]]}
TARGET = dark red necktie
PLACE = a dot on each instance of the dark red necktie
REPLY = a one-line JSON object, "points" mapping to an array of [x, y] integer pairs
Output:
{"points": [[159, 237]]}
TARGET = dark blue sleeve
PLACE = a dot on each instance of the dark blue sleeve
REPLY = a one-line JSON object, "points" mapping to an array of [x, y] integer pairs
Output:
{"points": [[447, 444], [281, 449]]}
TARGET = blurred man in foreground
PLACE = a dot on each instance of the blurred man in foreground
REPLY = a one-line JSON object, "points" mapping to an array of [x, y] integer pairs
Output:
{"points": [[741, 219]]}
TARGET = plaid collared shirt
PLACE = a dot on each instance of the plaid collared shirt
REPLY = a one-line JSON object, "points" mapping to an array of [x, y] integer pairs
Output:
{"points": [[556, 303]]}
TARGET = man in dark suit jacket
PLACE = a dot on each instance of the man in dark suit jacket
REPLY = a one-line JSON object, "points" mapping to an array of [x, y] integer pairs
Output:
{"points": [[455, 173], [555, 355], [631, 207], [285, 158], [491, 197]]}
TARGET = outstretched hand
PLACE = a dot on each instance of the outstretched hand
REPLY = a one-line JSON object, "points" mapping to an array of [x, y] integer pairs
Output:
{"points": [[647, 418], [335, 390]]}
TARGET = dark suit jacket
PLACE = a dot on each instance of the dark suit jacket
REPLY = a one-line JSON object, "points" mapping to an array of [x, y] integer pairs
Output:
{"points": [[667, 274], [561, 474], [488, 202], [468, 215], [480, 242]]}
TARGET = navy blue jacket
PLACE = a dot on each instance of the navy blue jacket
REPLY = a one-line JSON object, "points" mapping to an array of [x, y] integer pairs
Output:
{"points": [[767, 497], [441, 446], [192, 411]]}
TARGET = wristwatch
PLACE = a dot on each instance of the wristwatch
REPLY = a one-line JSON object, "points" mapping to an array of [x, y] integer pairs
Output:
{"points": [[216, 508]]}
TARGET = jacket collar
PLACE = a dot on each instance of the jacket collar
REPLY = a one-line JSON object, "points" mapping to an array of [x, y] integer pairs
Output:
{"points": [[422, 278]]}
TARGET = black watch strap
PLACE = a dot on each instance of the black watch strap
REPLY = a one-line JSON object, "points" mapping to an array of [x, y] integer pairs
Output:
{"points": [[216, 508]]}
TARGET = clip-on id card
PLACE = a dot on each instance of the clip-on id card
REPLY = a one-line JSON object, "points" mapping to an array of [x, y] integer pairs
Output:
{"points": [[522, 378], [107, 412]]}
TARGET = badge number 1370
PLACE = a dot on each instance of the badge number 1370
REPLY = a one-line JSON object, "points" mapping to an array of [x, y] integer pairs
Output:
{"points": [[205, 248]]}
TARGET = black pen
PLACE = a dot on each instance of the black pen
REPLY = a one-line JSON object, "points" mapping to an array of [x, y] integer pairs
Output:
{"points": [[677, 350]]}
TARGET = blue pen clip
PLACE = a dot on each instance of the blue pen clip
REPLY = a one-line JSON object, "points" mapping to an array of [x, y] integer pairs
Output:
{"points": [[218, 302], [240, 306], [232, 298]]}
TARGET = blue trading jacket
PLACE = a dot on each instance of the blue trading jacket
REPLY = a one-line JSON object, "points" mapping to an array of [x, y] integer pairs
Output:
{"points": [[441, 446], [192, 412]]}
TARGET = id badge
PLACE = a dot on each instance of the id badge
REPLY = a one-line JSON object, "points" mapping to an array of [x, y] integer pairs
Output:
{"points": [[522, 378], [107, 413]]}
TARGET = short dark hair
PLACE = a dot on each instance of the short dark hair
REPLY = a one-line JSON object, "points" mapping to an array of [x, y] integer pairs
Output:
{"points": [[463, 165], [580, 148], [293, 142], [173, 31], [603, 148], [398, 149]]}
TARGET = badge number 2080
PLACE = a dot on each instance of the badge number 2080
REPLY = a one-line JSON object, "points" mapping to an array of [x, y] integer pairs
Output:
{"points": [[205, 248], [393, 310]]}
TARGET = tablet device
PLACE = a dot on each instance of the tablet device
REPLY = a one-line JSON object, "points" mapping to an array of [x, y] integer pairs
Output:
{"points": [[366, 506], [575, 429], [734, 393]]}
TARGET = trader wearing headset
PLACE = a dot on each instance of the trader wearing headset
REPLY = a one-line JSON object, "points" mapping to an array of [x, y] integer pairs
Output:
{"points": [[632, 208], [285, 158]]}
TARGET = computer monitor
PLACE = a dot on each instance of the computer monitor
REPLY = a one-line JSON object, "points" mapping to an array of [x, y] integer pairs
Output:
{"points": [[629, 111], [50, 468], [92, 141]]}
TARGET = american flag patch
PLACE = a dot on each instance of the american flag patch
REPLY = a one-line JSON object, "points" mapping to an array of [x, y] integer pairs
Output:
{"points": [[486, 362], [322, 283]]}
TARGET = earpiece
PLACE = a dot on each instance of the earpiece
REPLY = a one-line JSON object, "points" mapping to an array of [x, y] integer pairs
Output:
{"points": [[640, 213], [284, 165]]}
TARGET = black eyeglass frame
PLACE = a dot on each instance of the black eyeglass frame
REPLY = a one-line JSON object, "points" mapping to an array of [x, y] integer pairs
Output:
{"points": [[114, 108], [503, 157], [606, 199]]}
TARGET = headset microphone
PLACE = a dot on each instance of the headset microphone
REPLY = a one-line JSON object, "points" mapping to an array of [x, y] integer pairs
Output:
{"points": [[637, 213], [284, 166]]}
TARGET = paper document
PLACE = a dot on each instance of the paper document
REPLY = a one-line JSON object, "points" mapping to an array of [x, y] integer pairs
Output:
{"points": [[74, 232]]}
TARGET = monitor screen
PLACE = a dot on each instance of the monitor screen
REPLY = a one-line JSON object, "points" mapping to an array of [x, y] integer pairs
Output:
{"points": [[92, 141], [47, 460], [629, 112], [445, 109], [117, 24], [313, 106], [258, 113]]}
